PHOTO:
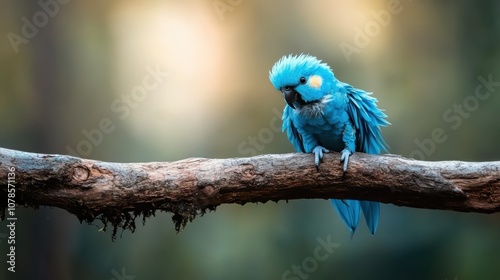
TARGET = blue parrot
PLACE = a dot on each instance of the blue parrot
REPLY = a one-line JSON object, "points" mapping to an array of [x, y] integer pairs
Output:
{"points": [[324, 114]]}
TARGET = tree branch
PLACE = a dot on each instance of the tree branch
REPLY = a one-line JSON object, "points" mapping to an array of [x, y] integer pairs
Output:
{"points": [[118, 192]]}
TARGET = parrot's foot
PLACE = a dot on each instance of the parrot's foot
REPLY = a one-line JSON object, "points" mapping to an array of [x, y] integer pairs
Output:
{"points": [[318, 155], [344, 157]]}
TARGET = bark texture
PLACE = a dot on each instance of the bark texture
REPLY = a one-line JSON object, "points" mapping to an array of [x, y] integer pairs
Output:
{"points": [[118, 192]]}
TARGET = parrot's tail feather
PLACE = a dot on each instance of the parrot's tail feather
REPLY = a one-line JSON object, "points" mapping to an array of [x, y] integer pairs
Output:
{"points": [[371, 210], [349, 212]]}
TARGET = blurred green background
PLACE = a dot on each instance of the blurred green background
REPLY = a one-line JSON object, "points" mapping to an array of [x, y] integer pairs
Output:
{"points": [[66, 66]]}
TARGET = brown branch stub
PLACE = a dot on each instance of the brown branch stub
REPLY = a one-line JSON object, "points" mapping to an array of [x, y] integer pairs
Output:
{"points": [[117, 192]]}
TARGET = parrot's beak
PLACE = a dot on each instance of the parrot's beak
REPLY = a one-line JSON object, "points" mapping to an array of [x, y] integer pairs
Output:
{"points": [[290, 95]]}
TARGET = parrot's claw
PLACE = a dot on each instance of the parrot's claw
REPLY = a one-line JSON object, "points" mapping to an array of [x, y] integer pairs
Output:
{"points": [[344, 157], [318, 155]]}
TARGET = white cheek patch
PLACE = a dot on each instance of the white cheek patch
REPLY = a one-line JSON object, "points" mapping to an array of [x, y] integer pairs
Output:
{"points": [[315, 81]]}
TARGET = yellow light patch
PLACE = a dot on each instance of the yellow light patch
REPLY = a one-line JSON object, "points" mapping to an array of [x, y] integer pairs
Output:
{"points": [[315, 81]]}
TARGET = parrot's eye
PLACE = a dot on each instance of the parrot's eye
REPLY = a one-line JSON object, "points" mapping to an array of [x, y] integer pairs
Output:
{"points": [[303, 80]]}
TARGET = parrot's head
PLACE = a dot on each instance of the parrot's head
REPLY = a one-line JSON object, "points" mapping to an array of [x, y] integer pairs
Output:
{"points": [[302, 79]]}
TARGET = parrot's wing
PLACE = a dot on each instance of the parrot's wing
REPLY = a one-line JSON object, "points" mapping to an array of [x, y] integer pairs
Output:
{"points": [[367, 119], [291, 131]]}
